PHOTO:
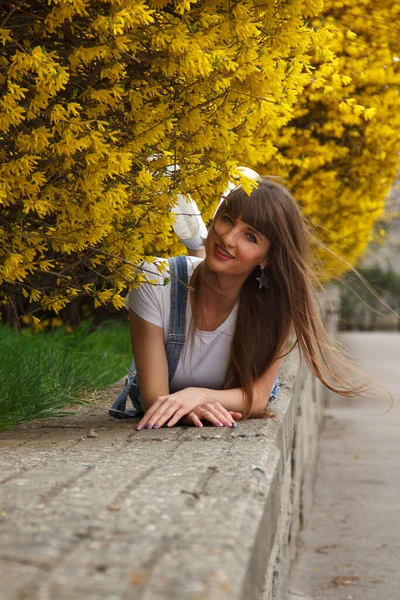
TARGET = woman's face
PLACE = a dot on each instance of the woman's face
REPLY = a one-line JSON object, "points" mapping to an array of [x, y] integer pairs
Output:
{"points": [[235, 248]]}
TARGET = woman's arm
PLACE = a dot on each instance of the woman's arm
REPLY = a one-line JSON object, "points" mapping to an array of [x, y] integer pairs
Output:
{"points": [[150, 359], [152, 369], [200, 253], [233, 399], [170, 408]]}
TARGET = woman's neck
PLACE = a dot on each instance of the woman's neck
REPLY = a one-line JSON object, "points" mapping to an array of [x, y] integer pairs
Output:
{"points": [[223, 290]]}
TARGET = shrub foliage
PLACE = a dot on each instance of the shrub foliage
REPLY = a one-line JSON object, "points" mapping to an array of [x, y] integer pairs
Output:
{"points": [[340, 151], [99, 97]]}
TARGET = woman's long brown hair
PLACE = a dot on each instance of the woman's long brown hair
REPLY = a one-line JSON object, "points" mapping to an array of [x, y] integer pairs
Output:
{"points": [[267, 317]]}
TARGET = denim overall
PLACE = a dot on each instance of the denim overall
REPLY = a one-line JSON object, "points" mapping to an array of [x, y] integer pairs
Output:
{"points": [[175, 343]]}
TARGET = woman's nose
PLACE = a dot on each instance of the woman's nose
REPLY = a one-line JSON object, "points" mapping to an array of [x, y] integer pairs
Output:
{"points": [[230, 236]]}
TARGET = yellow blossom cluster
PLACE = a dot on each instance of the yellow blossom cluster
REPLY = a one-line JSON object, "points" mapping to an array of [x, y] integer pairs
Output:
{"points": [[340, 152], [98, 98]]}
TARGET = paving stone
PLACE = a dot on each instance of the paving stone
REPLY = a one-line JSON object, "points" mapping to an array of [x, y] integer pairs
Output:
{"points": [[15, 576]]}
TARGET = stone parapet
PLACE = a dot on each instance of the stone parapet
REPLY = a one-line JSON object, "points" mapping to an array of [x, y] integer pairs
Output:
{"points": [[92, 509]]}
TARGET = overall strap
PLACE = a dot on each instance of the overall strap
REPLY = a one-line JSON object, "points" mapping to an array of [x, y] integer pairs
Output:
{"points": [[179, 298], [175, 342]]}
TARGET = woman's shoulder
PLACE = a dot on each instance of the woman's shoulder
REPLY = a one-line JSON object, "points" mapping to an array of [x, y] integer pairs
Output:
{"points": [[192, 262], [151, 298]]}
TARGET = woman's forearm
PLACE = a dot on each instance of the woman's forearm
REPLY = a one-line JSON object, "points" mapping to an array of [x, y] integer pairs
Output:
{"points": [[200, 253], [168, 409], [234, 400]]}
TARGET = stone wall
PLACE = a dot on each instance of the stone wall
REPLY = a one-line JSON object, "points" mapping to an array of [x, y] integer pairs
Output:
{"points": [[93, 509], [302, 404], [297, 443]]}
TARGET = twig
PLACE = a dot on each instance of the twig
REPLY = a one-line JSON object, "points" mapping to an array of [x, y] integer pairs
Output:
{"points": [[16, 314]]}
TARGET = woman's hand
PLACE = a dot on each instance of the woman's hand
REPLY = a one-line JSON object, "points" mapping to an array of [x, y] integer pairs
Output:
{"points": [[169, 409], [214, 413]]}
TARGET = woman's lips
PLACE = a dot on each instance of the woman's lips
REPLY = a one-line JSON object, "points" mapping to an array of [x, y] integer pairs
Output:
{"points": [[221, 253]]}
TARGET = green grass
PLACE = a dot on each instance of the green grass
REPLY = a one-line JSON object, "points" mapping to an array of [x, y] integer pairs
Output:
{"points": [[41, 373]]}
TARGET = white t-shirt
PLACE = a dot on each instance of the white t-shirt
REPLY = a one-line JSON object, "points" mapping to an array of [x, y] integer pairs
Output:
{"points": [[202, 364]]}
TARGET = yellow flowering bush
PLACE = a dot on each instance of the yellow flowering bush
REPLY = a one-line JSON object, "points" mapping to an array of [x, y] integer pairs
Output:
{"points": [[340, 151], [99, 97]]}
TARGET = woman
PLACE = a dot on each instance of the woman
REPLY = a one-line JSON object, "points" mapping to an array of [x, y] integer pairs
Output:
{"points": [[250, 294]]}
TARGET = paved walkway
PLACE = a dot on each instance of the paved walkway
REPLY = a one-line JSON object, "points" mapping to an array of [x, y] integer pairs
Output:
{"points": [[351, 546]]}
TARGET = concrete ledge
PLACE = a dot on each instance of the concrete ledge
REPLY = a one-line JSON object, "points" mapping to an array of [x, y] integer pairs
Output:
{"points": [[182, 514]]}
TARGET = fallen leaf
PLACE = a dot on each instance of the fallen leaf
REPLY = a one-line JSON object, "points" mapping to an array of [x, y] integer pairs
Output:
{"points": [[138, 577], [324, 549], [342, 581]]}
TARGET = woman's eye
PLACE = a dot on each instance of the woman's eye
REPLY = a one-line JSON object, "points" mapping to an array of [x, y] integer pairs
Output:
{"points": [[252, 238], [226, 219]]}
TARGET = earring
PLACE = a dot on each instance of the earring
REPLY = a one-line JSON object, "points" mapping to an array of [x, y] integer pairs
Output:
{"points": [[264, 279]]}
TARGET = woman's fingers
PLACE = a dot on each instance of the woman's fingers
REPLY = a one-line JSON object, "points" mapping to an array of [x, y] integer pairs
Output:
{"points": [[163, 414], [182, 403], [193, 418], [217, 415], [223, 414], [228, 416], [236, 415], [166, 411], [181, 412], [212, 417], [154, 411]]}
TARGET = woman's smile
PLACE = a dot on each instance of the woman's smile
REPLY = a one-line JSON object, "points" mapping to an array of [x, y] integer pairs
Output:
{"points": [[221, 253]]}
